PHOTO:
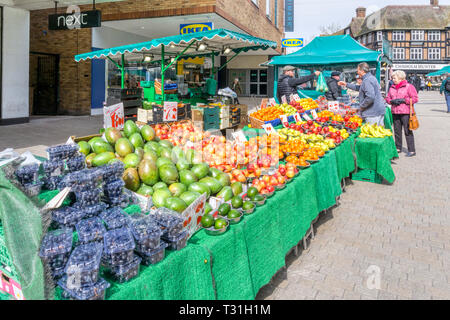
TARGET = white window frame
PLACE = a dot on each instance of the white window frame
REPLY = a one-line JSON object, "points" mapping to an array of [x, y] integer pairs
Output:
{"points": [[255, 2], [398, 35], [417, 35], [268, 9], [434, 35], [416, 54], [379, 35], [434, 53], [398, 53], [364, 39], [370, 38]]}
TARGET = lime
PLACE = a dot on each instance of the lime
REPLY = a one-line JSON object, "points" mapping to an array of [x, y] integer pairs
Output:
{"points": [[236, 202], [248, 205], [233, 214], [252, 192], [207, 221], [258, 197], [208, 208], [220, 223], [224, 209]]}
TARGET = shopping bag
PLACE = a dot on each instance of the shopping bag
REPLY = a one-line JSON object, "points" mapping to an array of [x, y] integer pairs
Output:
{"points": [[321, 84], [413, 121]]}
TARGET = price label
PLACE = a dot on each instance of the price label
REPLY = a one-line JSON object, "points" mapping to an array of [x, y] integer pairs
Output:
{"points": [[264, 103], [170, 111], [306, 117], [284, 99], [284, 120], [269, 129], [314, 114], [296, 98], [298, 117], [272, 102], [333, 106], [189, 145], [291, 98], [239, 136]]}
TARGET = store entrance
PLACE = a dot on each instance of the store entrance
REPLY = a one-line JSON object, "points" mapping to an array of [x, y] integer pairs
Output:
{"points": [[44, 83]]}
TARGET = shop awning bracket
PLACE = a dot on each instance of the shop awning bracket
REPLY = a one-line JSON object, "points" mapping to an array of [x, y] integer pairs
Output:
{"points": [[234, 56]]}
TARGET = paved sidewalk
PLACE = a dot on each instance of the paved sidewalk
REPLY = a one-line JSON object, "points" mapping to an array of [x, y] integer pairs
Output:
{"points": [[401, 230]]}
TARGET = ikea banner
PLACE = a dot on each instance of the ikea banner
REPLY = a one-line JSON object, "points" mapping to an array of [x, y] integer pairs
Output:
{"points": [[292, 42], [195, 27]]}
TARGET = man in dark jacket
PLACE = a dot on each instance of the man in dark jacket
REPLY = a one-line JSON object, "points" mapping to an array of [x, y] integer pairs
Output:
{"points": [[334, 90], [287, 84]]}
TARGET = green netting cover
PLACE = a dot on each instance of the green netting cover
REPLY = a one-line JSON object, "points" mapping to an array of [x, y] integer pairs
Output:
{"points": [[22, 226]]}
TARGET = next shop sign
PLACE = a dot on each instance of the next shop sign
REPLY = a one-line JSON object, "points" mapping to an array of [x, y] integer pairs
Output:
{"points": [[292, 42], [195, 27]]}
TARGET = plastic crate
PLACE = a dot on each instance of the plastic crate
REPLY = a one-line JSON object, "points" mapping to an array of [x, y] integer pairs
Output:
{"points": [[367, 175]]}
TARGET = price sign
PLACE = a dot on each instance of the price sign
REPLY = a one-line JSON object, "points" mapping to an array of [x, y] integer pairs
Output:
{"points": [[291, 98], [284, 99], [314, 114], [239, 136], [306, 117], [298, 117], [333, 106], [189, 145], [296, 98], [272, 102], [284, 120], [269, 129], [263, 103], [170, 111]]}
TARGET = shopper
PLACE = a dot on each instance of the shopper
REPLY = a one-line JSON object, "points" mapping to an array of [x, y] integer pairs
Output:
{"points": [[429, 85], [399, 97], [334, 90], [236, 86], [422, 84], [445, 88], [287, 84], [371, 102]]}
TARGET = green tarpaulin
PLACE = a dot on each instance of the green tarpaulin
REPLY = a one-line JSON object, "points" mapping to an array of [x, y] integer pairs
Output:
{"points": [[329, 50], [441, 72]]}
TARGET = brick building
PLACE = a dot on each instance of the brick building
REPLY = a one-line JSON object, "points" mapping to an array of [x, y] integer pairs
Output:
{"points": [[417, 36], [59, 85]]}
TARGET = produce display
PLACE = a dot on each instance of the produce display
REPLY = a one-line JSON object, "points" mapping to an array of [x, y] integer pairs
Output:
{"points": [[374, 131]]}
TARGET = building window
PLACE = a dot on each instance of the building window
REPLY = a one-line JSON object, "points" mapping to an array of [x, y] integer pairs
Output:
{"points": [[416, 54], [379, 35], [276, 13], [268, 9], [255, 2], [434, 54], [370, 38], [417, 35], [398, 35], [364, 39], [347, 31], [434, 36], [399, 53]]}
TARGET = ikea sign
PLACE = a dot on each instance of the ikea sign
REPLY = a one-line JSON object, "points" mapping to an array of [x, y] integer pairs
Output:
{"points": [[195, 27], [292, 42]]}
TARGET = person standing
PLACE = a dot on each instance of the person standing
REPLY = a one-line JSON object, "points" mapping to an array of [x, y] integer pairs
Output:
{"points": [[334, 90], [428, 85], [287, 84], [399, 97], [445, 88], [371, 102], [236, 86]]}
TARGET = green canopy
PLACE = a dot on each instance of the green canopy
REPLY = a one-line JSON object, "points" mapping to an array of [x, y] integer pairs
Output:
{"points": [[444, 70], [329, 50], [216, 41]]}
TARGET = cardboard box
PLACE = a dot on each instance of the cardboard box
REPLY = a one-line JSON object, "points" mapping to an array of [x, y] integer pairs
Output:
{"points": [[224, 123], [197, 115]]}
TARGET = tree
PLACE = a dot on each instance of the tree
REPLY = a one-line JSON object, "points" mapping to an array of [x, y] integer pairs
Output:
{"points": [[330, 29]]}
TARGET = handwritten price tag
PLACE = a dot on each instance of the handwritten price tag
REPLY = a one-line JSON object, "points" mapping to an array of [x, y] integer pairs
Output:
{"points": [[239, 136], [296, 98], [170, 111], [298, 117], [272, 102], [306, 117], [284, 120], [314, 114], [269, 129], [284, 99], [333, 106], [263, 103]]}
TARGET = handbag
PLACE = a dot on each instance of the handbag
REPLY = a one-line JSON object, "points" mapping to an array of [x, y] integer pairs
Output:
{"points": [[413, 121]]}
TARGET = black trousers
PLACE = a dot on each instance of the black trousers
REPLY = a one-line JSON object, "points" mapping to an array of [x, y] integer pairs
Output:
{"points": [[401, 121]]}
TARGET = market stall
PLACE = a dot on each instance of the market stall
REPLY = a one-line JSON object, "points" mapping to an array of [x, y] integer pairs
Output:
{"points": [[441, 72], [328, 53], [163, 54]]}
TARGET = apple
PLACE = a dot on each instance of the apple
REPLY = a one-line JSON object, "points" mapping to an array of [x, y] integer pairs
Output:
{"points": [[282, 171], [270, 189]]}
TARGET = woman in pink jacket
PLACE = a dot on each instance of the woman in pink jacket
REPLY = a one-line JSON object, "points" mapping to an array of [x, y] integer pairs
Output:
{"points": [[399, 96]]}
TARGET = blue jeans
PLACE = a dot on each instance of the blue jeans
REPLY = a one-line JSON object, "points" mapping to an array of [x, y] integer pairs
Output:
{"points": [[379, 120], [447, 97]]}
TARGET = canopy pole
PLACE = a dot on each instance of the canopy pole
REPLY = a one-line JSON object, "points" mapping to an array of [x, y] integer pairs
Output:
{"points": [[162, 73], [178, 56], [122, 69], [235, 55], [213, 69], [275, 83]]}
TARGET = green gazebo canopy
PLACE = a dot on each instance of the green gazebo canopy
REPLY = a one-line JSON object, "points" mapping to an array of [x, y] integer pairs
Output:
{"points": [[216, 41], [329, 50], [444, 70]]}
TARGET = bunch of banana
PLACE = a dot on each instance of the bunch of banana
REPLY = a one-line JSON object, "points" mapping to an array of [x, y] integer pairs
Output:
{"points": [[374, 131]]}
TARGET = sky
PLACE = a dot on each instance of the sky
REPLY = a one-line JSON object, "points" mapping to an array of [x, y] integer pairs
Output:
{"points": [[311, 14]]}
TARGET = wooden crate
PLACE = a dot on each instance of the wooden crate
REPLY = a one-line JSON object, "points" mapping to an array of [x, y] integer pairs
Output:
{"points": [[256, 123]]}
